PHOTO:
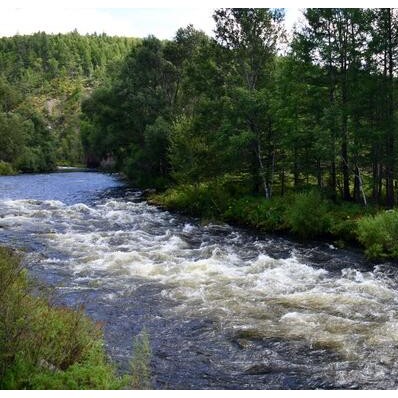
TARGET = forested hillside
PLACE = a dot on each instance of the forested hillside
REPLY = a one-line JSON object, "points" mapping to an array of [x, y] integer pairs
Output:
{"points": [[43, 79]]}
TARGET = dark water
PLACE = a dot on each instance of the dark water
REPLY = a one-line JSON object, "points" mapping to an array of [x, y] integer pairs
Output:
{"points": [[224, 309]]}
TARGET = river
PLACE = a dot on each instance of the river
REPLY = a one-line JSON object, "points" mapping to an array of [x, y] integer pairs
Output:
{"points": [[224, 308]]}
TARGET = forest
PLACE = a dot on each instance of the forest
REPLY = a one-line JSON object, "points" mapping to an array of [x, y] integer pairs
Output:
{"points": [[283, 131]]}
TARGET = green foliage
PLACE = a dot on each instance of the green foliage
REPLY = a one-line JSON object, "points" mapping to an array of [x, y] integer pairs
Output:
{"points": [[200, 200], [258, 212], [12, 136], [308, 215], [34, 58], [188, 153], [90, 375], [147, 165], [210, 200], [6, 169], [44, 347], [379, 234], [344, 219], [130, 119]]}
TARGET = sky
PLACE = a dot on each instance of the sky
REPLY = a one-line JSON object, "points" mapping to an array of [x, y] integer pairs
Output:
{"points": [[132, 22], [138, 18]]}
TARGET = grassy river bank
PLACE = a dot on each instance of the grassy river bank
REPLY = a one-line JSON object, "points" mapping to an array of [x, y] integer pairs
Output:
{"points": [[305, 215]]}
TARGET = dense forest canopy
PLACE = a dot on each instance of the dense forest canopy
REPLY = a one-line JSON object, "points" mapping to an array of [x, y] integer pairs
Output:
{"points": [[228, 111]]}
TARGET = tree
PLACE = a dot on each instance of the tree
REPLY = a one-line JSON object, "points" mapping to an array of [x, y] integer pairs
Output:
{"points": [[249, 37]]}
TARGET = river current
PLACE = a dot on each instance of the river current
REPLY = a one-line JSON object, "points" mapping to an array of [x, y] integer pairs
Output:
{"points": [[224, 308]]}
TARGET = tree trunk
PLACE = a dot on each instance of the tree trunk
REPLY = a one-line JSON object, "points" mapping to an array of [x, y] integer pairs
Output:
{"points": [[333, 179], [356, 193], [358, 187], [263, 171], [346, 170], [295, 169], [344, 135]]}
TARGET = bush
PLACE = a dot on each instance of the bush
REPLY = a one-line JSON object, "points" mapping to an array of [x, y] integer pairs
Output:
{"points": [[379, 234], [308, 215], [208, 200], [6, 169], [43, 347], [257, 212]]}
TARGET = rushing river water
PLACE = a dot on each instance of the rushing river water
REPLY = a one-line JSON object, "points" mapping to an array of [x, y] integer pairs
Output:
{"points": [[223, 308]]}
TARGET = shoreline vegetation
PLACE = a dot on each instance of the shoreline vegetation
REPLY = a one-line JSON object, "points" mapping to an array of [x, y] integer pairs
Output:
{"points": [[304, 216], [43, 346], [6, 169]]}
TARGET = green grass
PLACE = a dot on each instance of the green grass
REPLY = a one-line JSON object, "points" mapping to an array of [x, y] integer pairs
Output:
{"points": [[47, 347]]}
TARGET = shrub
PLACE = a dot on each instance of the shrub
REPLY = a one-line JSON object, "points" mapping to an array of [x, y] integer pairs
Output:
{"points": [[344, 220], [207, 200], [344, 230], [258, 212], [6, 169], [308, 215], [379, 234]]}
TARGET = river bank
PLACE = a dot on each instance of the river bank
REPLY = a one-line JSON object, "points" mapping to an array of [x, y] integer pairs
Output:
{"points": [[302, 216]]}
